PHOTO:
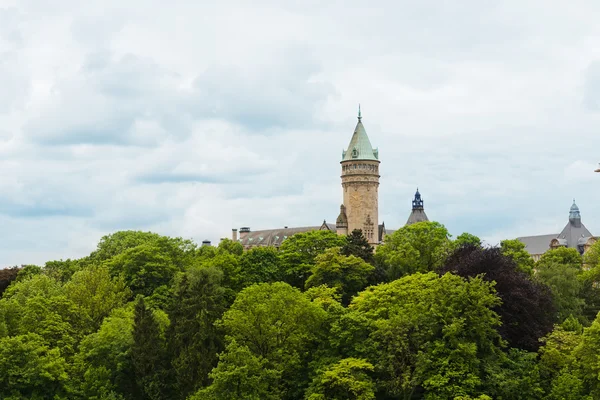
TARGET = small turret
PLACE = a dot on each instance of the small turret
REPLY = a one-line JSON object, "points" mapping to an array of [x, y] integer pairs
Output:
{"points": [[341, 224], [418, 211], [417, 201], [575, 215]]}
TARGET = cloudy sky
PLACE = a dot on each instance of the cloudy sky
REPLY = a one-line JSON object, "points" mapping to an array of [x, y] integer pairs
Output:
{"points": [[190, 118]]}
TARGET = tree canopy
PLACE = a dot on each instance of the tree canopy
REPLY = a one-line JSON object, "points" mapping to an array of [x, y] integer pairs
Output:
{"points": [[325, 316]]}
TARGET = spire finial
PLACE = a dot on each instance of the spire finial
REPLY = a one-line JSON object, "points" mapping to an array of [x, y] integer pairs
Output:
{"points": [[359, 114]]}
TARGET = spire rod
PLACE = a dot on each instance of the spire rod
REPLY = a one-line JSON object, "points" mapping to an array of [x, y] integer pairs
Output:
{"points": [[359, 114]]}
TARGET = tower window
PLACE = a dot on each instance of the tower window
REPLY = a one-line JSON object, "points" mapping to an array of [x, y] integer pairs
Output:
{"points": [[354, 153]]}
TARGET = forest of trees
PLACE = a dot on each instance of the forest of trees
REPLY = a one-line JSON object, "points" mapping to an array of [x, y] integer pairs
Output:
{"points": [[324, 317]]}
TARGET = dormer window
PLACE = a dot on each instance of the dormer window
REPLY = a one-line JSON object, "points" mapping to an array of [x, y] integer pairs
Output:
{"points": [[355, 153]]}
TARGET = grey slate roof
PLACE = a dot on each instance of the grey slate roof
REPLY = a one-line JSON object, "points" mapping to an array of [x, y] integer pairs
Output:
{"points": [[574, 235], [274, 237], [537, 244], [417, 215]]}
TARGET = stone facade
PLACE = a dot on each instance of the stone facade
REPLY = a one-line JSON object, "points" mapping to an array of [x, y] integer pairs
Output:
{"points": [[360, 185]]}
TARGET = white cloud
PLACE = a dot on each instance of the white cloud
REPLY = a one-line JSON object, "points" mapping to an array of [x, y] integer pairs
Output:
{"points": [[193, 118]]}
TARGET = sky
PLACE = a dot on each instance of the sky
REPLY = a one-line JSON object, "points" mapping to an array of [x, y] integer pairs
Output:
{"points": [[190, 118]]}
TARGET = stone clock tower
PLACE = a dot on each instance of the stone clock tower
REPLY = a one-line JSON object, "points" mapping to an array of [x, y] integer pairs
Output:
{"points": [[360, 184]]}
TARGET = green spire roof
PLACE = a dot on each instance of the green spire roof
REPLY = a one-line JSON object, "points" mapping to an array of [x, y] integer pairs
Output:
{"points": [[360, 147]]}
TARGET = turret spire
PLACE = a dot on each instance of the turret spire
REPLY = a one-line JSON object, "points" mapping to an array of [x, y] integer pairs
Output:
{"points": [[360, 147], [418, 212], [417, 202], [574, 214]]}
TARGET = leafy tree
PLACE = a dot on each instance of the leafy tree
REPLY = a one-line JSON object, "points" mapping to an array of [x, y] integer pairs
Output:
{"points": [[104, 362], [229, 265], [204, 253], [177, 249], [148, 354], [590, 278], [7, 275], [586, 369], [568, 386], [556, 354], [194, 341], [467, 239], [527, 308], [563, 256], [419, 247], [259, 265], [357, 245], [28, 271], [348, 274], [517, 376], [565, 284], [61, 270], [298, 253], [55, 319], [31, 370], [96, 294], [591, 258], [38, 305], [231, 247], [426, 336], [144, 268], [277, 323], [241, 375], [348, 379], [515, 249], [42, 285]]}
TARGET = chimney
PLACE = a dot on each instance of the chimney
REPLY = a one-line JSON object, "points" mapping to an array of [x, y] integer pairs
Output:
{"points": [[244, 232], [206, 243], [234, 235]]}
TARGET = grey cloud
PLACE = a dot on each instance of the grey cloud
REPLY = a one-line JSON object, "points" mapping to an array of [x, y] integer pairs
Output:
{"points": [[130, 220], [103, 103], [591, 95], [283, 92], [238, 113], [23, 209], [167, 177]]}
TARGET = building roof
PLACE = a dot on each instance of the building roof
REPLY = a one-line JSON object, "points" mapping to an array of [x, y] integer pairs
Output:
{"points": [[417, 215], [383, 232], [571, 236], [537, 244], [360, 146], [274, 237], [575, 229], [418, 211]]}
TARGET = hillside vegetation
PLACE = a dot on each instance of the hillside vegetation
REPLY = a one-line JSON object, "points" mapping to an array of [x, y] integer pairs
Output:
{"points": [[426, 316]]}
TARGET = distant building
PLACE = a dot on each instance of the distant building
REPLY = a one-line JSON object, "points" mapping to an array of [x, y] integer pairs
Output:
{"points": [[418, 211], [360, 207], [574, 235]]}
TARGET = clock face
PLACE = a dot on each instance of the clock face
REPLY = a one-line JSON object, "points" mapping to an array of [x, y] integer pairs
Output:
{"points": [[355, 196]]}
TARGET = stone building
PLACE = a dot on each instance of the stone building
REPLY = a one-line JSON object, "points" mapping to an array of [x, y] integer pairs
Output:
{"points": [[360, 192], [360, 186], [574, 235]]}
